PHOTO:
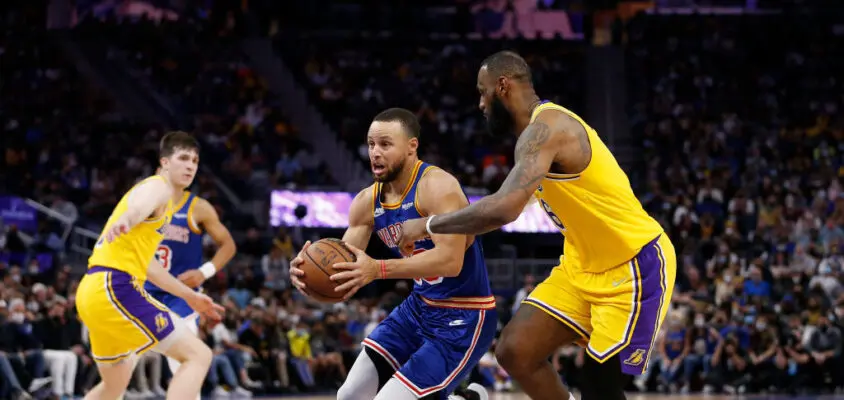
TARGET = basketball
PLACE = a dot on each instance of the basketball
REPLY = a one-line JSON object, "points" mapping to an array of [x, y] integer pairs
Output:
{"points": [[319, 259]]}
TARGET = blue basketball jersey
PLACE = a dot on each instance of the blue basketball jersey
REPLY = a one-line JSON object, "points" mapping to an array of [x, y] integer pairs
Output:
{"points": [[472, 282], [180, 251]]}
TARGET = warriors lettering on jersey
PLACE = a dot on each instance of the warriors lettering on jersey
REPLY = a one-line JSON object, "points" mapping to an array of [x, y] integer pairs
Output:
{"points": [[390, 234], [162, 229], [176, 233], [472, 280]]}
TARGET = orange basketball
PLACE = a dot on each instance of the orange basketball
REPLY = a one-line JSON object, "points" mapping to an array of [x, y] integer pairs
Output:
{"points": [[320, 258]]}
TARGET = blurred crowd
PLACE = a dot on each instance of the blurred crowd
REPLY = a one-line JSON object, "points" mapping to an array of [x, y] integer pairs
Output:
{"points": [[353, 78], [742, 133], [197, 66], [741, 122]]}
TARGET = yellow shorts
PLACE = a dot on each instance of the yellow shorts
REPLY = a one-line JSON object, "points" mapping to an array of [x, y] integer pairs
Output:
{"points": [[122, 318], [618, 311]]}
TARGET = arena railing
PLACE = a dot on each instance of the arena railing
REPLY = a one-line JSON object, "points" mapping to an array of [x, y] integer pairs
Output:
{"points": [[25, 213], [508, 273]]}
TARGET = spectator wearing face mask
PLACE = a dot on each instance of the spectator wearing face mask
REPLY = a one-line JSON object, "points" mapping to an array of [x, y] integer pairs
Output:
{"points": [[768, 363], [827, 280], [730, 367], [22, 347], [825, 348], [301, 355], [673, 350], [54, 333], [703, 339], [220, 366], [756, 286], [226, 339], [800, 364]]}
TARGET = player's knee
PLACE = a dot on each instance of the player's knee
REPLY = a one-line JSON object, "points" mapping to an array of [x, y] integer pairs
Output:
{"points": [[508, 354], [204, 354], [349, 392], [191, 349]]}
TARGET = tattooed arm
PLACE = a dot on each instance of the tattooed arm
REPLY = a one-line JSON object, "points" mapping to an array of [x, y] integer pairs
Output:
{"points": [[552, 134]]}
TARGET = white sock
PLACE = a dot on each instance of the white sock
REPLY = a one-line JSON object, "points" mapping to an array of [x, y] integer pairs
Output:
{"points": [[455, 397]]}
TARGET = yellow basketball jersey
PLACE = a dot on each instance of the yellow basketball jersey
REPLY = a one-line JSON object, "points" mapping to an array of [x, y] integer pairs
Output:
{"points": [[602, 220], [132, 251]]}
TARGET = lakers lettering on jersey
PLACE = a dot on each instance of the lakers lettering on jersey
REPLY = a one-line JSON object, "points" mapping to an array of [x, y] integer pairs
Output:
{"points": [[133, 251], [602, 220], [616, 275]]}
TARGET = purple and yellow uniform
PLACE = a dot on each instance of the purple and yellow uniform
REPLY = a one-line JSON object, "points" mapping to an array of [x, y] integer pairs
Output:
{"points": [[615, 279], [122, 318]]}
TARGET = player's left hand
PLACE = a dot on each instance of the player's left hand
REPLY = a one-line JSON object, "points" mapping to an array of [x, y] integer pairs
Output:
{"points": [[192, 278], [205, 306], [411, 231], [355, 274]]}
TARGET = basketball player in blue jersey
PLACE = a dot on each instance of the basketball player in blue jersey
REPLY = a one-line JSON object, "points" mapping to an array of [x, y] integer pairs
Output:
{"points": [[180, 253], [612, 288], [433, 340]]}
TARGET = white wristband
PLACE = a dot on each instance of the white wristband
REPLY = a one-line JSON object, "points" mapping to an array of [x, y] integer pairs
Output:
{"points": [[428, 225], [208, 270]]}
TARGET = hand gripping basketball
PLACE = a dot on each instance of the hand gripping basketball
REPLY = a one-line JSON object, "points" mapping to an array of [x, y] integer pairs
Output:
{"points": [[296, 273]]}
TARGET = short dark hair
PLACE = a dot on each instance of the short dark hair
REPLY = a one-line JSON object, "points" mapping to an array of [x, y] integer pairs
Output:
{"points": [[177, 140], [405, 117], [509, 64]]}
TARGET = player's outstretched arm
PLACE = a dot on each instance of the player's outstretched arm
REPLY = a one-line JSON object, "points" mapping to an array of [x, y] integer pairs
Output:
{"points": [[205, 216], [552, 133], [141, 204], [361, 221], [438, 192]]}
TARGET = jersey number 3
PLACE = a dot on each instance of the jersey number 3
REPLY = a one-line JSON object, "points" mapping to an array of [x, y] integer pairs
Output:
{"points": [[164, 255]]}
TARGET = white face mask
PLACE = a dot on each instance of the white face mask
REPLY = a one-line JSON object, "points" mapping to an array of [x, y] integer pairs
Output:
{"points": [[17, 317], [700, 322]]}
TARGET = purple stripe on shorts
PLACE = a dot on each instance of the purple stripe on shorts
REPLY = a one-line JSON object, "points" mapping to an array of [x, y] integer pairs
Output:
{"points": [[651, 262], [137, 306]]}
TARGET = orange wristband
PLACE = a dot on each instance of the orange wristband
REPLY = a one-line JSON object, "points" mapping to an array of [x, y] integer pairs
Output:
{"points": [[383, 269]]}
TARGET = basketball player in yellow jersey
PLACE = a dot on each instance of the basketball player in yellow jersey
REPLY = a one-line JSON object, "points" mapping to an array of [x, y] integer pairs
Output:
{"points": [[123, 320], [614, 283]]}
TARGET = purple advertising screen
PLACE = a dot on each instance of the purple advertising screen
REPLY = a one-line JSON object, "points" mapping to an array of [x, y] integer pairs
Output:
{"points": [[331, 210]]}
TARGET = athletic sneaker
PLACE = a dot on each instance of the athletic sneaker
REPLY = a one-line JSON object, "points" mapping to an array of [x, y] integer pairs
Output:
{"points": [[472, 392]]}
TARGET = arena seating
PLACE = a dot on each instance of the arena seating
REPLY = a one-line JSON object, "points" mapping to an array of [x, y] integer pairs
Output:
{"points": [[354, 78], [740, 121], [742, 131], [204, 75]]}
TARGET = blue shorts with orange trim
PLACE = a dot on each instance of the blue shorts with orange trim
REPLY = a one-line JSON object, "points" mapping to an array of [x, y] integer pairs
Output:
{"points": [[618, 311], [434, 344], [122, 318]]}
